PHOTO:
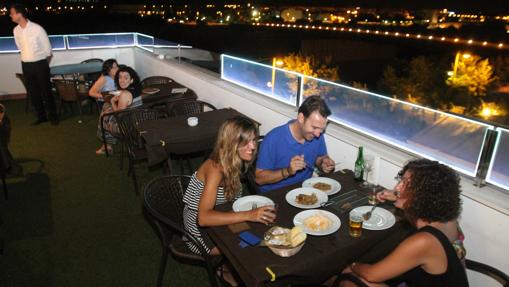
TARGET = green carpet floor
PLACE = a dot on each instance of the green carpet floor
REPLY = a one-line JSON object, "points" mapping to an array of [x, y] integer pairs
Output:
{"points": [[76, 222]]}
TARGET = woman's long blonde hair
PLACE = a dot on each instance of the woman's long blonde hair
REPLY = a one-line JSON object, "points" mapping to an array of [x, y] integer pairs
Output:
{"points": [[233, 134]]}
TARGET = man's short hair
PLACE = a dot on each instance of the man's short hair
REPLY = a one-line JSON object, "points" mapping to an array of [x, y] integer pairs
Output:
{"points": [[20, 8], [314, 104]]}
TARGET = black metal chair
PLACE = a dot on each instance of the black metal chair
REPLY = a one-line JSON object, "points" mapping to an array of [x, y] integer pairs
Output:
{"points": [[188, 107], [69, 94], [90, 78], [155, 80], [489, 271], [163, 202], [128, 121], [27, 101], [475, 266]]}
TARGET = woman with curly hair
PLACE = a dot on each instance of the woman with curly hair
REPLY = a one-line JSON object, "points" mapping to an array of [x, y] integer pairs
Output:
{"points": [[218, 181], [429, 195]]}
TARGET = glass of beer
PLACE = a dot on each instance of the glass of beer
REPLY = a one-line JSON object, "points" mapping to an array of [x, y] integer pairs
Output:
{"points": [[355, 224]]}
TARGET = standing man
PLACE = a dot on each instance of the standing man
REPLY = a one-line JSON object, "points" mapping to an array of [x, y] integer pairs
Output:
{"points": [[289, 153], [35, 48]]}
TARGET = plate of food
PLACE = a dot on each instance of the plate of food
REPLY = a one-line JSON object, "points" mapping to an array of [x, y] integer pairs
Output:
{"points": [[249, 202], [380, 218], [150, 91], [325, 184], [317, 222], [306, 197]]}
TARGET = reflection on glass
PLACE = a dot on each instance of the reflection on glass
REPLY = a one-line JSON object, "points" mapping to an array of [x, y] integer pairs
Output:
{"points": [[271, 81], [429, 133], [100, 40], [498, 173]]}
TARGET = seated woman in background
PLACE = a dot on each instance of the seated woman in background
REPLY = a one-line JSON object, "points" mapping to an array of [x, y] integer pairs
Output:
{"points": [[218, 180], [128, 96], [106, 82], [429, 195]]}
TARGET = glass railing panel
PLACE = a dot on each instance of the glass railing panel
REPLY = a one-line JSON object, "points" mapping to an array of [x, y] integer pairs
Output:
{"points": [[498, 173], [145, 42], [57, 42], [271, 81], [429, 133], [89, 41], [7, 45]]}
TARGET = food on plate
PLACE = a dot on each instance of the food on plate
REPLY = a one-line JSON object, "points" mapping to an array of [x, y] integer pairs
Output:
{"points": [[322, 186], [317, 222], [306, 199]]}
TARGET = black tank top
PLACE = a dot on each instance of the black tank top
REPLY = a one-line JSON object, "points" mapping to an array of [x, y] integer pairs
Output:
{"points": [[455, 274]]}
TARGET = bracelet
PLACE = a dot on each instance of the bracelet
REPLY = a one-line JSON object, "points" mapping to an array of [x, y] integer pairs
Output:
{"points": [[283, 173], [288, 171]]}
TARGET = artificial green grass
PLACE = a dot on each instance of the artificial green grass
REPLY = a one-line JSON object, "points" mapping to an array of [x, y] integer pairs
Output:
{"points": [[77, 222]]}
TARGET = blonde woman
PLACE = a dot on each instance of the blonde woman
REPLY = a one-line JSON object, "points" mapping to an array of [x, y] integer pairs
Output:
{"points": [[218, 181]]}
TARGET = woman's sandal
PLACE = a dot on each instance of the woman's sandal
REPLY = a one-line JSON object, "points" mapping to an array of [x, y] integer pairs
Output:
{"points": [[102, 150], [225, 274]]}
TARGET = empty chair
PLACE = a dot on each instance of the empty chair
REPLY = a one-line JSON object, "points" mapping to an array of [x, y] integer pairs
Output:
{"points": [[162, 198], [69, 94], [90, 78], [128, 121], [188, 107], [27, 102], [155, 80]]}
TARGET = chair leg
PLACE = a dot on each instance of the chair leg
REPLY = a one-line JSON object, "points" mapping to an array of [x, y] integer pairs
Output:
{"points": [[6, 192], [162, 267], [80, 111], [133, 174]]}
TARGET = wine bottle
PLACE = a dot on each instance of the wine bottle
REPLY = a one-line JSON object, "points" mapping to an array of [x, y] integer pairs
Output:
{"points": [[359, 166]]}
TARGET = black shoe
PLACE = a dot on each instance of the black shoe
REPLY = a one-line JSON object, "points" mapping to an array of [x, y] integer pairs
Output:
{"points": [[55, 122], [39, 121]]}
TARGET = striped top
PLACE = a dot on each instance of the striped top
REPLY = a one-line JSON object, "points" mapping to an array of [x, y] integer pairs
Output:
{"points": [[191, 200]]}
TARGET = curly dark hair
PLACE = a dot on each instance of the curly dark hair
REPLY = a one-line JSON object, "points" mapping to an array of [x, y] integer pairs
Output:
{"points": [[135, 87], [432, 191]]}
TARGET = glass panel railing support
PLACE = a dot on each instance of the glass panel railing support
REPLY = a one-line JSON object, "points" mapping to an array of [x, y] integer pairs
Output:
{"points": [[498, 171]]}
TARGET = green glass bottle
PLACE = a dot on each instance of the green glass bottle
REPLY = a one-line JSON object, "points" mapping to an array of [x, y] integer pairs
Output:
{"points": [[359, 166]]}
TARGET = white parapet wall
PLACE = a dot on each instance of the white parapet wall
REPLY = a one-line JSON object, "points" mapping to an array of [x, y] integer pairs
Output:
{"points": [[485, 217]]}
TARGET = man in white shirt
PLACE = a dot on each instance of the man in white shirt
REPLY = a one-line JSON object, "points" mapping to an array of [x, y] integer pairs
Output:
{"points": [[35, 48]]}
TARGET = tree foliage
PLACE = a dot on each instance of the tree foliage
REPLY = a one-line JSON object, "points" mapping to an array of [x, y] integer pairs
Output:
{"points": [[472, 73]]}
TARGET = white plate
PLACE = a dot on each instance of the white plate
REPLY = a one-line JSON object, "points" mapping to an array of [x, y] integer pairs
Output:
{"points": [[335, 185], [299, 219], [245, 203], [380, 218], [292, 194]]}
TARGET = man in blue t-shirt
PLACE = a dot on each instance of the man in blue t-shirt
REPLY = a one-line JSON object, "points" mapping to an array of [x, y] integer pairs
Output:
{"points": [[289, 153]]}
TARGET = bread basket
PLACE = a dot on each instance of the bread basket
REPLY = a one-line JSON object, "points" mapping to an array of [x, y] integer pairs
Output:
{"points": [[281, 250]]}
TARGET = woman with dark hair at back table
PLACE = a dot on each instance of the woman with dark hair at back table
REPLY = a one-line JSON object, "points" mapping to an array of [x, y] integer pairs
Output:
{"points": [[106, 82], [128, 96], [429, 195]]}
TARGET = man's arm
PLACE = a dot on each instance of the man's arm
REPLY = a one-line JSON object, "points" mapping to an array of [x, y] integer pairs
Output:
{"points": [[45, 43], [266, 176]]}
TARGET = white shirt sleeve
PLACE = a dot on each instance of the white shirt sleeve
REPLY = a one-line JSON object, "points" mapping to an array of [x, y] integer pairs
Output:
{"points": [[45, 43], [16, 36]]}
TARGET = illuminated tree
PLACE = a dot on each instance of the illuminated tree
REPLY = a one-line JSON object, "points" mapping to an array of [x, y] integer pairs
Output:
{"points": [[471, 72], [308, 66]]}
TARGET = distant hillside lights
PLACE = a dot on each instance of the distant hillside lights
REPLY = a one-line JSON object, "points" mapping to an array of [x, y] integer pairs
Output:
{"points": [[499, 45]]}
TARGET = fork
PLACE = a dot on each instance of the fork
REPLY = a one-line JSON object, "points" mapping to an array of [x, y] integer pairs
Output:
{"points": [[366, 216]]}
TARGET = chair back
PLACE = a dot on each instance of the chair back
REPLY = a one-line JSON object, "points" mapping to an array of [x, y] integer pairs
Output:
{"points": [[155, 80], [128, 121], [163, 201], [187, 107], [489, 271], [66, 89], [92, 77], [92, 60]]}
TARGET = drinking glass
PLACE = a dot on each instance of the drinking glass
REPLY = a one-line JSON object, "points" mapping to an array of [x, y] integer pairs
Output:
{"points": [[368, 167], [355, 224]]}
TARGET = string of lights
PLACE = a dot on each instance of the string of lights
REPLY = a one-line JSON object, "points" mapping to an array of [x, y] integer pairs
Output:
{"points": [[379, 32]]}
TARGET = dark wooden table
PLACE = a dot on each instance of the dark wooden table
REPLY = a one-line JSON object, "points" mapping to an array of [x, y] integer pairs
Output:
{"points": [[164, 137], [167, 92], [322, 256]]}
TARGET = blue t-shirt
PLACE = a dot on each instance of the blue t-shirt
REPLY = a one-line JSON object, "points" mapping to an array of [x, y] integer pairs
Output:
{"points": [[278, 148]]}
